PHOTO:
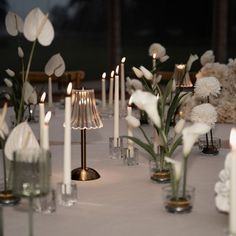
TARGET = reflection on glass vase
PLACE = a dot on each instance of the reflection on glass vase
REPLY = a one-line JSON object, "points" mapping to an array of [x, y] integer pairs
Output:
{"points": [[180, 202], [159, 170]]}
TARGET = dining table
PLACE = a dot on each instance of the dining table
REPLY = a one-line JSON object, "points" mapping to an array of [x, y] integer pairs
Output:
{"points": [[124, 201]]}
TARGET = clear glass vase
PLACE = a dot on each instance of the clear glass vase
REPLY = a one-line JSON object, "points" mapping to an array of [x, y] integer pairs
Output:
{"points": [[181, 202], [159, 172]]}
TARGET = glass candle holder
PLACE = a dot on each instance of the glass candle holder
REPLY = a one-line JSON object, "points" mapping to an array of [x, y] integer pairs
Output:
{"points": [[67, 195], [130, 156], [46, 204], [115, 147]]}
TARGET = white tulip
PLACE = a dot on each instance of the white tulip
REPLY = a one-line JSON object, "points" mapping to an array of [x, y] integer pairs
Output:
{"points": [[146, 73], [8, 83], [179, 126], [190, 61], [147, 102], [10, 72], [137, 72], [132, 121], [177, 166], [191, 134], [164, 58], [4, 131], [20, 52]]}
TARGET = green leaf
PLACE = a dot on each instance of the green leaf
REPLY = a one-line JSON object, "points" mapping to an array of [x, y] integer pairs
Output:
{"points": [[147, 147]]}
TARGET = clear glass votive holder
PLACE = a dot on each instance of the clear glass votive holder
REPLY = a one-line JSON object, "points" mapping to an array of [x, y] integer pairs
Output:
{"points": [[130, 156], [46, 204], [115, 147], [67, 195]]}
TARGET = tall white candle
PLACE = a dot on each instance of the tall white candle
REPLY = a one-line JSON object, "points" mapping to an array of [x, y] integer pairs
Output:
{"points": [[103, 90], [41, 117], [47, 118], [154, 61], [122, 80], [111, 88], [50, 101], [130, 133], [67, 140], [116, 108], [232, 197]]}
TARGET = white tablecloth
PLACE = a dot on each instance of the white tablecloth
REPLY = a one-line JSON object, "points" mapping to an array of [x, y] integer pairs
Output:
{"points": [[124, 201]]}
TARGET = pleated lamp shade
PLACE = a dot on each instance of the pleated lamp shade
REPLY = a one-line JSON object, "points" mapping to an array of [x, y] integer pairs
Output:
{"points": [[84, 113]]}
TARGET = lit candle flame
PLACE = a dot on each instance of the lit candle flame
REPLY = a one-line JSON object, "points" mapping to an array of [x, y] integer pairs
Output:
{"points": [[181, 66], [112, 74], [130, 101], [117, 70], [123, 60], [154, 55], [232, 138], [42, 99], [47, 117], [69, 88], [104, 75]]}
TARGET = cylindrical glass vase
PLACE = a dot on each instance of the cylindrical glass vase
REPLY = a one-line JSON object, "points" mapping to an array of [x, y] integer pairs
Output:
{"points": [[181, 202]]}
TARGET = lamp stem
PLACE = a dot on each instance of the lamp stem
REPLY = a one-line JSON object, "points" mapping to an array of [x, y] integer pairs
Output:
{"points": [[83, 149]]}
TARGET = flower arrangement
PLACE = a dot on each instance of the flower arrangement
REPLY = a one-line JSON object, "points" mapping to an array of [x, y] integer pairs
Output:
{"points": [[35, 28], [179, 199], [161, 104], [205, 112]]}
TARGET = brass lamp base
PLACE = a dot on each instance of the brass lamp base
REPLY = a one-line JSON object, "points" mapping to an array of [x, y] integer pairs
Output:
{"points": [[84, 174], [8, 199]]}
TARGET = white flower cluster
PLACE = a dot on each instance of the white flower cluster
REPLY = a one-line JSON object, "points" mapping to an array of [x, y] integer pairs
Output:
{"points": [[132, 85], [204, 113], [207, 86]]}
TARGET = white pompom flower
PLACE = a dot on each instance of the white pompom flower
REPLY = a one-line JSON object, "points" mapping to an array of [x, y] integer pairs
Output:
{"points": [[132, 85], [204, 113], [207, 86], [157, 49]]}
